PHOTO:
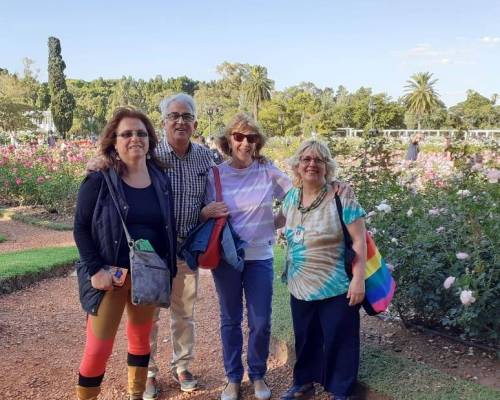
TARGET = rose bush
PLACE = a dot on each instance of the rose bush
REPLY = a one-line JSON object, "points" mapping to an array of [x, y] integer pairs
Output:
{"points": [[39, 175], [435, 220]]}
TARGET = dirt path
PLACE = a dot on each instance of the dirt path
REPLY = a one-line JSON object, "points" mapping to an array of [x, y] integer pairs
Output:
{"points": [[22, 236], [42, 338]]}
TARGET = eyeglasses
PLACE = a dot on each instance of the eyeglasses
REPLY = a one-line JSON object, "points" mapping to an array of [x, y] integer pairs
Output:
{"points": [[239, 137], [307, 160], [186, 117], [129, 134]]}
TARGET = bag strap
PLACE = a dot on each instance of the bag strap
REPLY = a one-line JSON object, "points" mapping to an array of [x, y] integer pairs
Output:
{"points": [[347, 236], [218, 187], [111, 189]]}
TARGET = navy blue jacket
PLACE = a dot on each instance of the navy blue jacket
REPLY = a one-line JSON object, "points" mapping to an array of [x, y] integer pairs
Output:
{"points": [[232, 245], [106, 232]]}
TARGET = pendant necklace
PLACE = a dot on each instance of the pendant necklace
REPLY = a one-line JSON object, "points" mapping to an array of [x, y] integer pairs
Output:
{"points": [[298, 234]]}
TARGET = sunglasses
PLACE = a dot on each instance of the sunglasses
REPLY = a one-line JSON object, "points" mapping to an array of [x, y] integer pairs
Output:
{"points": [[186, 117], [129, 134], [239, 137]]}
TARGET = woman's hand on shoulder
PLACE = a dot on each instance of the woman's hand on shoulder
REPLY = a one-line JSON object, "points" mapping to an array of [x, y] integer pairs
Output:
{"points": [[356, 292], [214, 210], [102, 280], [340, 187]]}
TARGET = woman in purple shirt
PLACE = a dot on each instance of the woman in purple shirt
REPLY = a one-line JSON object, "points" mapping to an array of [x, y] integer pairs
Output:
{"points": [[250, 183]]}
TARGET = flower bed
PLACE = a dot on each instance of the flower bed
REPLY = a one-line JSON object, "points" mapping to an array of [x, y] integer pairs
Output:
{"points": [[39, 175]]}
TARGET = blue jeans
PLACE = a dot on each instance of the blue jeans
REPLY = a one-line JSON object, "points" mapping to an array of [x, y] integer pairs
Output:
{"points": [[256, 281]]}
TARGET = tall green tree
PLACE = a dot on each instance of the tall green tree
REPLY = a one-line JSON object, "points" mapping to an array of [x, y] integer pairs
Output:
{"points": [[257, 87], [15, 108], [477, 111], [420, 95], [62, 102]]}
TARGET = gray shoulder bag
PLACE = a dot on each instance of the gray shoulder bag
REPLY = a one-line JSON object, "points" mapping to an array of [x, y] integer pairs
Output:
{"points": [[149, 274]]}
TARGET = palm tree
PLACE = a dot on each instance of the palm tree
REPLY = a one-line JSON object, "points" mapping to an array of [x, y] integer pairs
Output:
{"points": [[421, 97], [257, 87]]}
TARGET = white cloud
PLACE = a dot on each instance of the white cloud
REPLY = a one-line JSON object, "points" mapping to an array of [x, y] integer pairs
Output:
{"points": [[427, 55], [491, 40]]}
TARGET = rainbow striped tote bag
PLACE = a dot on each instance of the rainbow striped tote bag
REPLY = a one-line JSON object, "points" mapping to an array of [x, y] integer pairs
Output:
{"points": [[379, 283]]}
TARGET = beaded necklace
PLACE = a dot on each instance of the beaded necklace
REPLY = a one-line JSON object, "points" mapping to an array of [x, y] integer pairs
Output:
{"points": [[315, 204]]}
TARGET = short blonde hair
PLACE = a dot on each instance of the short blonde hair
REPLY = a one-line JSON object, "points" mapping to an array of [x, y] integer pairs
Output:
{"points": [[323, 151], [241, 123]]}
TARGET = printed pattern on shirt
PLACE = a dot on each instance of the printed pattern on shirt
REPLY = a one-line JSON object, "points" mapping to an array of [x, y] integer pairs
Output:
{"points": [[189, 180], [316, 263]]}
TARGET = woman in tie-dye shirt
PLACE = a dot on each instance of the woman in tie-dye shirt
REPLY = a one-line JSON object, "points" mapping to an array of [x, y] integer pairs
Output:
{"points": [[324, 302]]}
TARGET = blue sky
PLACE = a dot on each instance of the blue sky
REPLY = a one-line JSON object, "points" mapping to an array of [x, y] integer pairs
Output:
{"points": [[374, 43]]}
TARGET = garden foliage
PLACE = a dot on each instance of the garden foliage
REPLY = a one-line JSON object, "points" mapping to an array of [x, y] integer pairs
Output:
{"points": [[39, 175], [433, 220]]}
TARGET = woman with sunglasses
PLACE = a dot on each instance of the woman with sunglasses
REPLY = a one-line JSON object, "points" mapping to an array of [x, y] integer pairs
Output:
{"points": [[250, 183], [126, 155]]}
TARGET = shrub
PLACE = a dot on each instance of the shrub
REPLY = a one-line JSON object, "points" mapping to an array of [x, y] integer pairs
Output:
{"points": [[39, 175]]}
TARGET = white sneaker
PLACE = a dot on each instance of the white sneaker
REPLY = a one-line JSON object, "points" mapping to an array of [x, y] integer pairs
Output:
{"points": [[231, 391], [262, 391]]}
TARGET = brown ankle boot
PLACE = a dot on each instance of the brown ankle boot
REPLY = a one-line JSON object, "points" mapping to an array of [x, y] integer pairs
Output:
{"points": [[137, 381], [87, 393]]}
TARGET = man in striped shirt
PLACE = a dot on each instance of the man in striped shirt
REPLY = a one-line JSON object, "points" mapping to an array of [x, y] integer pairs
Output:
{"points": [[189, 165]]}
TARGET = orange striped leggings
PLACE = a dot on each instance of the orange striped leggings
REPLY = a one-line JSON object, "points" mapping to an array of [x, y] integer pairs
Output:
{"points": [[101, 331]]}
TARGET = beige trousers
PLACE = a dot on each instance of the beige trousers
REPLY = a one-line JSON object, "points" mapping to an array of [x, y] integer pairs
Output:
{"points": [[184, 290]]}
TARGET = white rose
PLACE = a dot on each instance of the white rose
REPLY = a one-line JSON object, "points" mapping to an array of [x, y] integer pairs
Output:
{"points": [[384, 207], [448, 282], [463, 193], [466, 297]]}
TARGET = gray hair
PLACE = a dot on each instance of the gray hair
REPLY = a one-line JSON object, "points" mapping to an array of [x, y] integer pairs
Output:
{"points": [[323, 151], [179, 98]]}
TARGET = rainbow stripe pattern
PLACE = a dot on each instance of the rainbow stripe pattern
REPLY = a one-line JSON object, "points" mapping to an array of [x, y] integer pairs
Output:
{"points": [[379, 283]]}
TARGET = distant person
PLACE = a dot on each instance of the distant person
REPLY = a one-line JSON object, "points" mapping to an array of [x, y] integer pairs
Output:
{"points": [[51, 140], [216, 154], [448, 148], [127, 157], [413, 148]]}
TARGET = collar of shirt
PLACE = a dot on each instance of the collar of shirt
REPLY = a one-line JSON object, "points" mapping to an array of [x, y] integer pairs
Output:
{"points": [[170, 149]]}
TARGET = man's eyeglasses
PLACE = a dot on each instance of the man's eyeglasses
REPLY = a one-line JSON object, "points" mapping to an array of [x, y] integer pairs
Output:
{"points": [[186, 117], [308, 160], [129, 134], [239, 137]]}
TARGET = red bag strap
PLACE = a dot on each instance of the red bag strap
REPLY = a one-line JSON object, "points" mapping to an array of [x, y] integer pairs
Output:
{"points": [[218, 187]]}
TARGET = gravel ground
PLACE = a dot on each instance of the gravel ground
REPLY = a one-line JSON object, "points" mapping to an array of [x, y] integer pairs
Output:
{"points": [[22, 236], [42, 339]]}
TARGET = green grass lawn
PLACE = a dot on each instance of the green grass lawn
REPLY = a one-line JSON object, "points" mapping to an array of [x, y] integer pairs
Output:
{"points": [[381, 371], [28, 262]]}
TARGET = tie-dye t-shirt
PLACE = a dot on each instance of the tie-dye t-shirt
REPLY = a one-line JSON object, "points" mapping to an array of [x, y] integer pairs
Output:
{"points": [[315, 256]]}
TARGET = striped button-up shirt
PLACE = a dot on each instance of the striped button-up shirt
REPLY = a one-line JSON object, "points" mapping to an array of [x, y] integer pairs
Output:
{"points": [[188, 174]]}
